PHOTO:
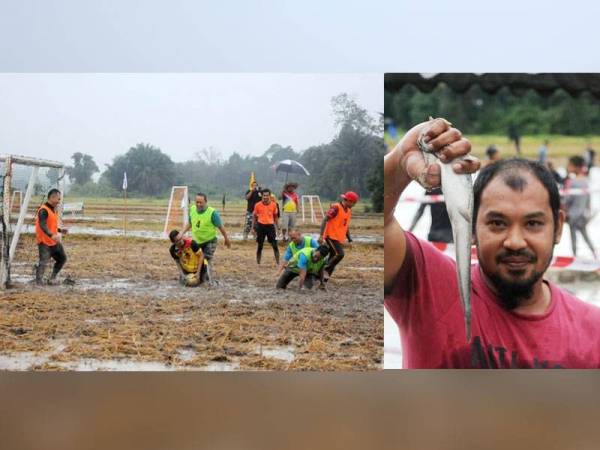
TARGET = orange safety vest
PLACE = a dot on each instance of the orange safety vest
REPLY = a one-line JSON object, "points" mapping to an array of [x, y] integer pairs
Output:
{"points": [[266, 213], [51, 223], [337, 228]]}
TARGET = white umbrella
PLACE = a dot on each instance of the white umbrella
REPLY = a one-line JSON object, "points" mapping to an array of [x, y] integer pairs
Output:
{"points": [[290, 166]]}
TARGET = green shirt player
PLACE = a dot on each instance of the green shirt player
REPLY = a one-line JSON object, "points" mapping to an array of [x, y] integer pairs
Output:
{"points": [[204, 221], [308, 264], [297, 242]]}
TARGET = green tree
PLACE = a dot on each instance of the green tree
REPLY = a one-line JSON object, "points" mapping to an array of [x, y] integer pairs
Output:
{"points": [[83, 168], [149, 170]]}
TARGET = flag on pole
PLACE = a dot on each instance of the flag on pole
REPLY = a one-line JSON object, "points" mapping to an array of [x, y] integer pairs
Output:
{"points": [[124, 181], [252, 180]]}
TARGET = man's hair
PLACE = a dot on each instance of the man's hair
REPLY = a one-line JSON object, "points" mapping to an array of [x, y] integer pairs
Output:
{"points": [[509, 170], [577, 161], [173, 234], [323, 250], [265, 191], [203, 195], [52, 192]]}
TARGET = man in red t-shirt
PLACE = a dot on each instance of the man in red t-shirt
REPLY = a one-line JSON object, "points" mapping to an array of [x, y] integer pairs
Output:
{"points": [[265, 221], [519, 320]]}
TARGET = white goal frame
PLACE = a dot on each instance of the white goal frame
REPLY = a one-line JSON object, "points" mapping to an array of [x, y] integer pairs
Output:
{"points": [[314, 201], [9, 243], [183, 205], [13, 197]]}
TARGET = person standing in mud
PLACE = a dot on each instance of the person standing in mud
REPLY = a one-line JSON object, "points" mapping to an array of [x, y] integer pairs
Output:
{"points": [[48, 236], [335, 229], [204, 221], [519, 319], [265, 219]]}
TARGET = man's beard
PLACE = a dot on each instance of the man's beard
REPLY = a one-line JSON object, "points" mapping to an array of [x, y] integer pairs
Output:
{"points": [[513, 293]]}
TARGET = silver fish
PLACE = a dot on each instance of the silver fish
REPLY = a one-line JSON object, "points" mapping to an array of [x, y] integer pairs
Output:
{"points": [[458, 195]]}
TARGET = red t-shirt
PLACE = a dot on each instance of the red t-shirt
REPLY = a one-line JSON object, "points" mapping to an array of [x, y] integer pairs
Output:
{"points": [[425, 303]]}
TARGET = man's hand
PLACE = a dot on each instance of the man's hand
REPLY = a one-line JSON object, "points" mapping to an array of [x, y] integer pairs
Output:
{"points": [[443, 140], [64, 231], [406, 163], [56, 237], [320, 239], [227, 242]]}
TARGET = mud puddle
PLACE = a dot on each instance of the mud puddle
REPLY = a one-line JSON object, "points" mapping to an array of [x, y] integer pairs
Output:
{"points": [[147, 234]]}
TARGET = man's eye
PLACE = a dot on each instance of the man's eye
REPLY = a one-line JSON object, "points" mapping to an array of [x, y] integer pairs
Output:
{"points": [[534, 223], [496, 223]]}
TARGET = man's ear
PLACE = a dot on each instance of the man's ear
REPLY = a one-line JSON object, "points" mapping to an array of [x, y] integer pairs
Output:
{"points": [[559, 226]]}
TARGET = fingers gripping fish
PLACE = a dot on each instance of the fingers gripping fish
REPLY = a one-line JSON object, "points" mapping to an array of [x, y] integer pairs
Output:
{"points": [[458, 195]]}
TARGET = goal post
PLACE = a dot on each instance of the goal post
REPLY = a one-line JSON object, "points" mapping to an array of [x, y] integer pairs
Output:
{"points": [[313, 208], [177, 211], [19, 172], [16, 200]]}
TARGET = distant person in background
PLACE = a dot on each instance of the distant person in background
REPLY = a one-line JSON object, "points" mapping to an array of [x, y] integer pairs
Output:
{"points": [[577, 206], [559, 180], [589, 157], [252, 198], [224, 200], [513, 135], [543, 152], [440, 229], [289, 202], [492, 154]]}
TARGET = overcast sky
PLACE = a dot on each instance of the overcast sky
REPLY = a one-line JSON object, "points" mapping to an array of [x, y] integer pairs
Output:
{"points": [[54, 115]]}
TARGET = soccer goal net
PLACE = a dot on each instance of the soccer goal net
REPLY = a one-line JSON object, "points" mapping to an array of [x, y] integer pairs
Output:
{"points": [[24, 184], [311, 207], [177, 211]]}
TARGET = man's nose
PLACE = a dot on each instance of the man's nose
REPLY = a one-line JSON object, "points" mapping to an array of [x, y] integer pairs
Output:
{"points": [[515, 239]]}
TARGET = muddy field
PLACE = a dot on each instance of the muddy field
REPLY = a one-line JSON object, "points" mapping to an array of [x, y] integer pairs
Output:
{"points": [[126, 311]]}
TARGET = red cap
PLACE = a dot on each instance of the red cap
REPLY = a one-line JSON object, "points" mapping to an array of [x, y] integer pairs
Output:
{"points": [[350, 196]]}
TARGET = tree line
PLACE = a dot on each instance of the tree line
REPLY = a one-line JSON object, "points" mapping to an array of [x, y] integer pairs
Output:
{"points": [[502, 113], [352, 160]]}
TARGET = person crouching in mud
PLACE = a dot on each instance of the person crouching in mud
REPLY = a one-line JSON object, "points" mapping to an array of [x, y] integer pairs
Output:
{"points": [[519, 319], [189, 259], [309, 265]]}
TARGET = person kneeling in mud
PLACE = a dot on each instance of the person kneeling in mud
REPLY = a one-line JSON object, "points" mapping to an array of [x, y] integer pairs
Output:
{"points": [[189, 259], [308, 264]]}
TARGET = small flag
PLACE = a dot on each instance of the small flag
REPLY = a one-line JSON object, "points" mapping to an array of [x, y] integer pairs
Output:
{"points": [[124, 181], [252, 180]]}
